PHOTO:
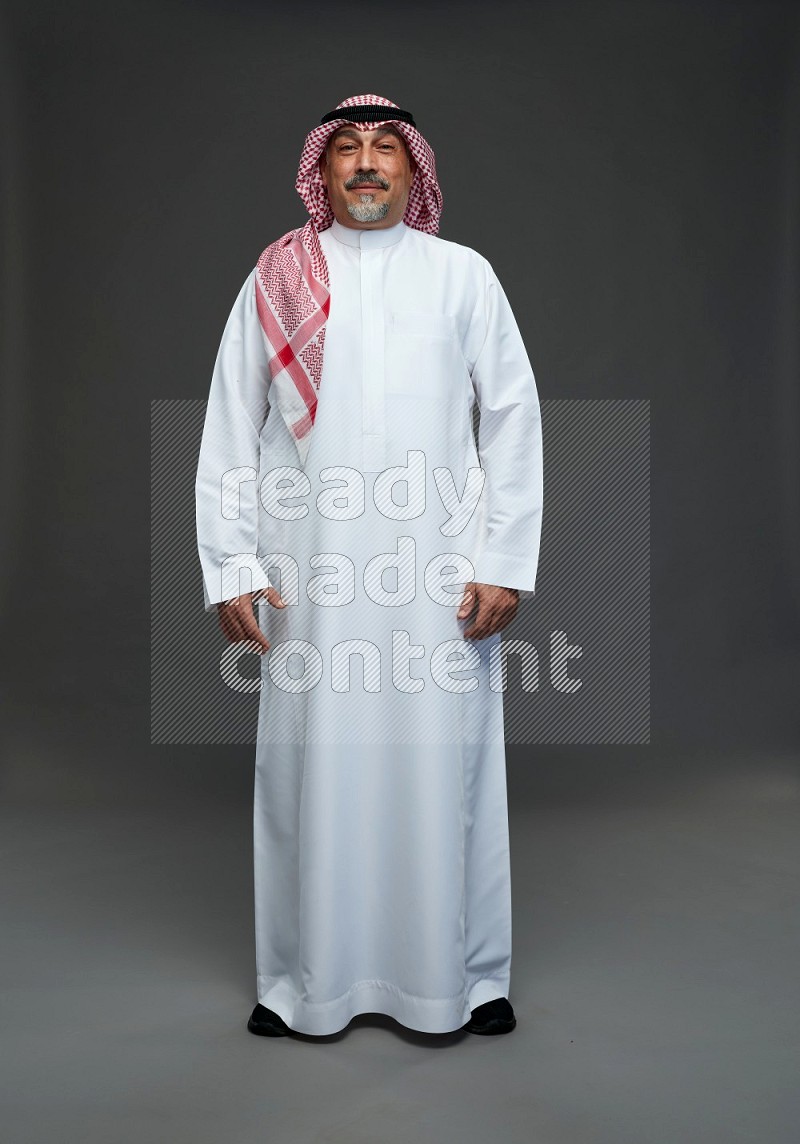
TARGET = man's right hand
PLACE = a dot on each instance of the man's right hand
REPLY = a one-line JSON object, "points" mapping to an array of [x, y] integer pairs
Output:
{"points": [[237, 619]]}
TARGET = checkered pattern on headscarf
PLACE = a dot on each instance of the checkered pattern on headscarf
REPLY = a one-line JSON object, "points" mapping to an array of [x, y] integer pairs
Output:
{"points": [[292, 283]]}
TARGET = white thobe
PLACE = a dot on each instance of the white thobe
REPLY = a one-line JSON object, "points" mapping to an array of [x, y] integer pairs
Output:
{"points": [[381, 848]]}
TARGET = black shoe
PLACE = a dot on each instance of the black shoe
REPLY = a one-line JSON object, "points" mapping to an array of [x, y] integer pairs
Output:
{"points": [[492, 1017], [264, 1023]]}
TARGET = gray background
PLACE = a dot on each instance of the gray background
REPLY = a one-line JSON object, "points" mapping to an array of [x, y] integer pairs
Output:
{"points": [[631, 172]]}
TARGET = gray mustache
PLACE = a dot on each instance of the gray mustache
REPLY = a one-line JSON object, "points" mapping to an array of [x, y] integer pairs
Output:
{"points": [[360, 180]]}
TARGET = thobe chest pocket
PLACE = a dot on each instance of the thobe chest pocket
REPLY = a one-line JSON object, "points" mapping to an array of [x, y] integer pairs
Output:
{"points": [[423, 355]]}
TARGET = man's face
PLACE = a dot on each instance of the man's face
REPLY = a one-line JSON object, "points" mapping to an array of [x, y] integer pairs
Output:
{"points": [[368, 176]]}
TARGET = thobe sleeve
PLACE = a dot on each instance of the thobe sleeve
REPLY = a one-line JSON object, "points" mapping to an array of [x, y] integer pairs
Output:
{"points": [[509, 447], [227, 483]]}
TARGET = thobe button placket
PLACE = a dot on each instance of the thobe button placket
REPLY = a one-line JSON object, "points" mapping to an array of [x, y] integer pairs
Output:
{"points": [[373, 408]]}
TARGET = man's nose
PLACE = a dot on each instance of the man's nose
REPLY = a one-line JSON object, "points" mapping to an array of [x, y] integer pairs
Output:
{"points": [[370, 160]]}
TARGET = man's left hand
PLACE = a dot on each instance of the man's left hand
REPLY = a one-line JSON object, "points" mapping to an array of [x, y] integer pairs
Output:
{"points": [[496, 608]]}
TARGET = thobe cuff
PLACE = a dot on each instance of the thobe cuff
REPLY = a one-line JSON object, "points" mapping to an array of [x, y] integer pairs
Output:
{"points": [[224, 589], [506, 571]]}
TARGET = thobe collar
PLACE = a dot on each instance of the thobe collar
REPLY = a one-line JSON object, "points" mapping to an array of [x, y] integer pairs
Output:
{"points": [[368, 239]]}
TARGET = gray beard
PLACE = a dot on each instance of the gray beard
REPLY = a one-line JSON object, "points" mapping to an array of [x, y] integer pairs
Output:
{"points": [[368, 212]]}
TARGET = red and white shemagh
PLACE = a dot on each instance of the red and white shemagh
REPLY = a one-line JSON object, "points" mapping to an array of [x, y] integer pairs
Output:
{"points": [[292, 283]]}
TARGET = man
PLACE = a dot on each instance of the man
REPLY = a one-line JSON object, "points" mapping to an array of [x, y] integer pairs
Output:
{"points": [[382, 874]]}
